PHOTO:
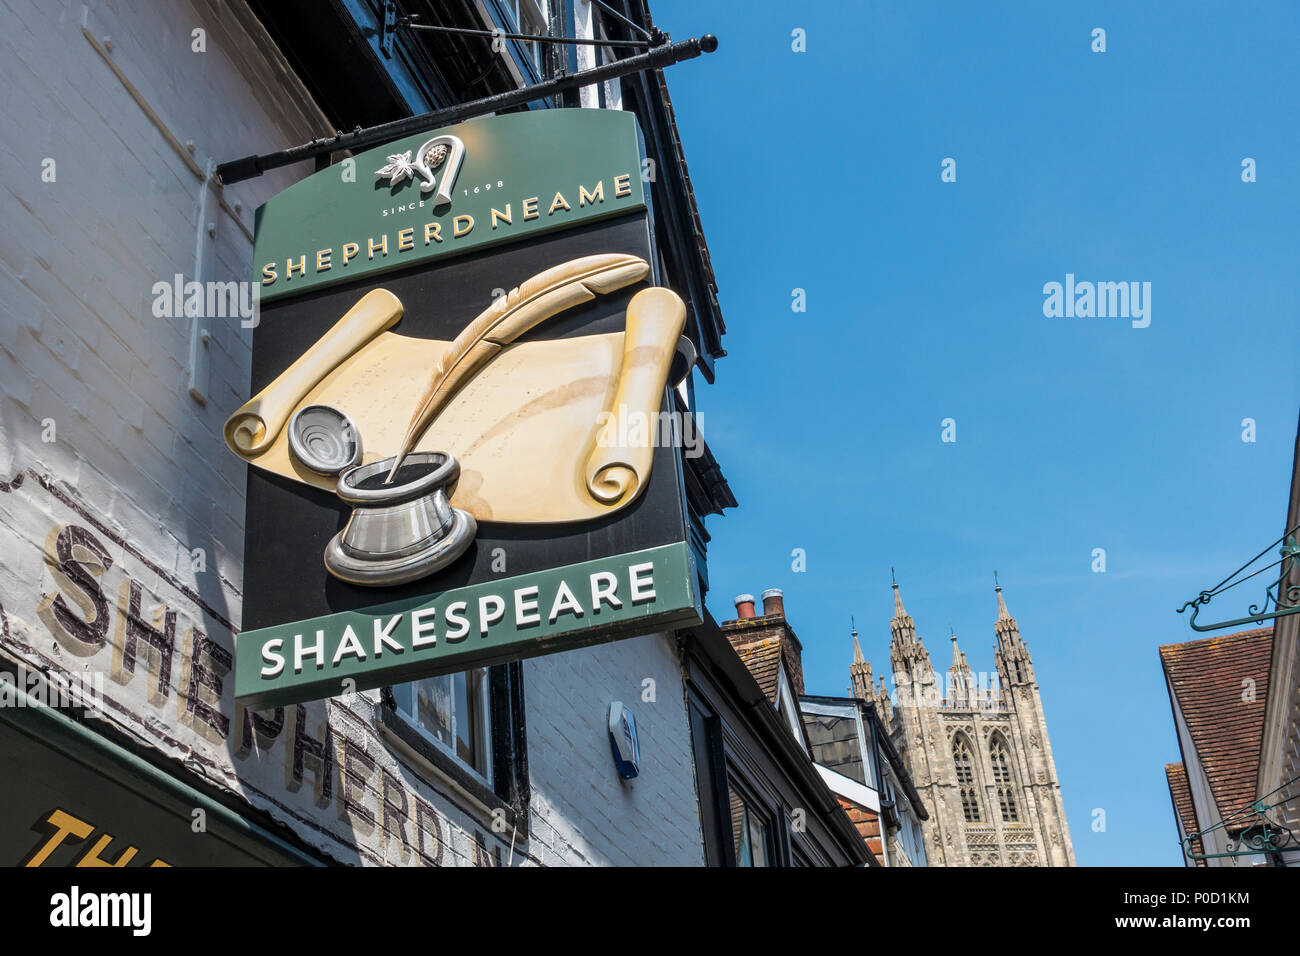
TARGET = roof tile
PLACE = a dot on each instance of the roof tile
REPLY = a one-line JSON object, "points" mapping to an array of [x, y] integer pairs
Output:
{"points": [[1221, 686], [1176, 775]]}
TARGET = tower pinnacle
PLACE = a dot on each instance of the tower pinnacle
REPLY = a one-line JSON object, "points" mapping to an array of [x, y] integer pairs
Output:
{"points": [[1003, 613], [1012, 653], [860, 671], [958, 655], [907, 653]]}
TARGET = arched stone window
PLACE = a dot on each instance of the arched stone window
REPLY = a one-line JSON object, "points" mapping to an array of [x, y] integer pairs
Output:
{"points": [[1003, 779], [964, 762]]}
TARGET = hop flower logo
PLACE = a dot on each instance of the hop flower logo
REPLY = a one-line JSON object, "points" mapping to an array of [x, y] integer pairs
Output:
{"points": [[432, 155], [398, 170]]}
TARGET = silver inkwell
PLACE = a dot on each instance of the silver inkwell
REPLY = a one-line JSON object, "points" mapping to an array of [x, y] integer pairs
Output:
{"points": [[399, 530]]}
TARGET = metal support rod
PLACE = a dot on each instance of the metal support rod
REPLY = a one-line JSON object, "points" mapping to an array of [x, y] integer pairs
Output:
{"points": [[530, 37], [624, 20], [240, 169]]}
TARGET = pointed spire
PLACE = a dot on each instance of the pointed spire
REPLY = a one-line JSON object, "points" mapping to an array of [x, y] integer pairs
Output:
{"points": [[885, 703], [1012, 654], [907, 653], [860, 676], [959, 665], [901, 624], [958, 655], [960, 682], [1003, 613]]}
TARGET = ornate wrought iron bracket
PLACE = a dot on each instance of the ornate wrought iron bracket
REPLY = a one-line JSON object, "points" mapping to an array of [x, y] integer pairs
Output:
{"points": [[1264, 836], [1281, 598]]}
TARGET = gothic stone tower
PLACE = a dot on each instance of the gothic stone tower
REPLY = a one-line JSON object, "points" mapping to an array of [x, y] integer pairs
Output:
{"points": [[977, 749]]}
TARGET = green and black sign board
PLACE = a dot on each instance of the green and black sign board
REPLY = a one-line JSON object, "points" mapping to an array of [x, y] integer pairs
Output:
{"points": [[74, 798], [461, 435]]}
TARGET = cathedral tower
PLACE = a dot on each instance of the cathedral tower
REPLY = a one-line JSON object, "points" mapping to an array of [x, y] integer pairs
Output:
{"points": [[977, 749]]}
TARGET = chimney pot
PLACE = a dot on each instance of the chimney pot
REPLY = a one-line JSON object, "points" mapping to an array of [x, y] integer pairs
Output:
{"points": [[773, 602], [744, 606]]}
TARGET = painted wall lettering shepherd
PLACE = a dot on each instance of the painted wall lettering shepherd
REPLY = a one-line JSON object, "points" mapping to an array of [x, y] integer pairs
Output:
{"points": [[168, 655]]}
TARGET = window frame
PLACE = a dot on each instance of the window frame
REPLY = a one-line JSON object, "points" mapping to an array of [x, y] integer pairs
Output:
{"points": [[1005, 789], [507, 788], [754, 809], [481, 736], [610, 93], [866, 746], [532, 18], [721, 765], [960, 739], [787, 705]]}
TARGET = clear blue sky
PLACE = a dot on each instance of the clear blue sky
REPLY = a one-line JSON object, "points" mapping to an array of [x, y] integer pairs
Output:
{"points": [[821, 170]]}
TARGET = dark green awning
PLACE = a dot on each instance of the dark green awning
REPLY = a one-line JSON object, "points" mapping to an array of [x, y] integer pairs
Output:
{"points": [[73, 797]]}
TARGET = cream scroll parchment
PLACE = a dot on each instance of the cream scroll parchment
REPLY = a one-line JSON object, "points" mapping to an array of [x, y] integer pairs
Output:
{"points": [[558, 430]]}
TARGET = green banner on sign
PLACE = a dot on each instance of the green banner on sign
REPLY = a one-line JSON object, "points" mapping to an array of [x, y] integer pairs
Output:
{"points": [[483, 624], [446, 192]]}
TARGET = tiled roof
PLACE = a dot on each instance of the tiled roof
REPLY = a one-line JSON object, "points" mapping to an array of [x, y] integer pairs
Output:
{"points": [[705, 259], [1221, 686], [1181, 793], [763, 659]]}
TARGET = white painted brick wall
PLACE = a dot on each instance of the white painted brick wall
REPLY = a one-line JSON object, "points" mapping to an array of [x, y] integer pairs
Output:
{"points": [[79, 346], [582, 810], [79, 257]]}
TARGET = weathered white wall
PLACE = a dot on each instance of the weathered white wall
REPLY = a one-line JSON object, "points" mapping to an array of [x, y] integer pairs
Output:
{"points": [[80, 255], [140, 468], [582, 811]]}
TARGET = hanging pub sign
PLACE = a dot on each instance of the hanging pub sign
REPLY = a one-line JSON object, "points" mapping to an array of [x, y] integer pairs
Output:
{"points": [[461, 427]]}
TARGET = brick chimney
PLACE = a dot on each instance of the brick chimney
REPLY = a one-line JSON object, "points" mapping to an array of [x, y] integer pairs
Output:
{"points": [[752, 636], [744, 606]]}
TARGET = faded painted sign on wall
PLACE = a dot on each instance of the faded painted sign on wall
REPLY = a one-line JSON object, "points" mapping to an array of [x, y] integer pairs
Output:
{"points": [[79, 601]]}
